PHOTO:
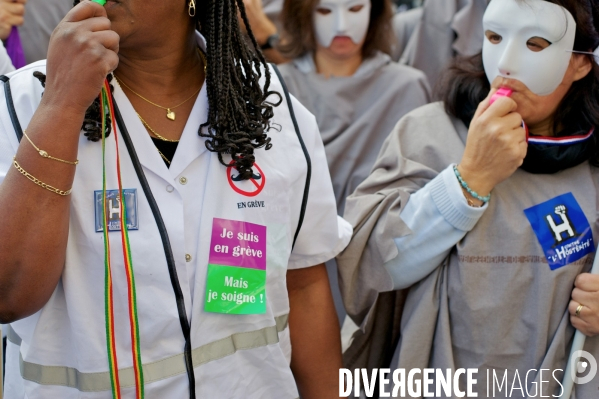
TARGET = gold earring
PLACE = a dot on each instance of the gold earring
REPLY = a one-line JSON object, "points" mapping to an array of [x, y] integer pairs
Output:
{"points": [[192, 8]]}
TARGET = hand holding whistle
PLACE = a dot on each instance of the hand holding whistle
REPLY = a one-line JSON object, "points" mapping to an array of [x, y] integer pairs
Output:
{"points": [[496, 143], [83, 51]]}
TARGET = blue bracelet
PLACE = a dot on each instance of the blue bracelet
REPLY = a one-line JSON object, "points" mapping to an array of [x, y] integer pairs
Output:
{"points": [[473, 193]]}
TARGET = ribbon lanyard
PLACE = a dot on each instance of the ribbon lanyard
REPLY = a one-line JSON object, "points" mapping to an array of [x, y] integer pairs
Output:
{"points": [[108, 106]]}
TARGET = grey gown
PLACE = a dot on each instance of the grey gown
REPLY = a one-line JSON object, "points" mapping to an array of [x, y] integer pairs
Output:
{"points": [[41, 17], [404, 25], [447, 28], [355, 114], [494, 303], [272, 9]]}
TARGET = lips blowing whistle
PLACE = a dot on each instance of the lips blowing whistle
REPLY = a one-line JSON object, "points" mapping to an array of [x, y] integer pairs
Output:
{"points": [[502, 92], [100, 2]]}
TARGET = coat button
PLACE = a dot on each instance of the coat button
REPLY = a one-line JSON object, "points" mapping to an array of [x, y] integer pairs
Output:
{"points": [[170, 188], [183, 180], [188, 257]]}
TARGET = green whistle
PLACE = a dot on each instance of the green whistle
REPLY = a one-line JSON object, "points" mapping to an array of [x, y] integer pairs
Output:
{"points": [[100, 2]]}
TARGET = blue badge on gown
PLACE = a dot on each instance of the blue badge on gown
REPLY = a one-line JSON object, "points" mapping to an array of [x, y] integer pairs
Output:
{"points": [[562, 230], [113, 208]]}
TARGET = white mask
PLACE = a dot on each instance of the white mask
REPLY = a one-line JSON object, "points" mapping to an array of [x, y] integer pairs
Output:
{"points": [[517, 22], [341, 21]]}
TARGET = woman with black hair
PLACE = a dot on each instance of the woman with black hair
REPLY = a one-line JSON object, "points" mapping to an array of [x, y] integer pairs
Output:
{"points": [[158, 240], [481, 212]]}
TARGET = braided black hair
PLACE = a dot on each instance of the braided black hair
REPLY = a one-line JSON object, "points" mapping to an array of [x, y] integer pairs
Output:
{"points": [[239, 113]]}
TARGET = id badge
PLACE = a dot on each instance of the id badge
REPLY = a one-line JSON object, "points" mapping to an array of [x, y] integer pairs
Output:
{"points": [[113, 209], [236, 279], [562, 229]]}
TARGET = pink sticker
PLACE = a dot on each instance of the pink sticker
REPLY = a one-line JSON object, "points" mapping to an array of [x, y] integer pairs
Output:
{"points": [[238, 244]]}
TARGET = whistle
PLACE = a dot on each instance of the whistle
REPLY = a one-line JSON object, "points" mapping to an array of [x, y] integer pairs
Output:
{"points": [[502, 92], [100, 2]]}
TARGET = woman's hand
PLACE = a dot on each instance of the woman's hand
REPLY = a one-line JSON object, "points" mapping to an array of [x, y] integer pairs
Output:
{"points": [[83, 50], [496, 145], [12, 13], [586, 293]]}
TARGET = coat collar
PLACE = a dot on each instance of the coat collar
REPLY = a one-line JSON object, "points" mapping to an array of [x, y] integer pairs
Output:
{"points": [[191, 145]]}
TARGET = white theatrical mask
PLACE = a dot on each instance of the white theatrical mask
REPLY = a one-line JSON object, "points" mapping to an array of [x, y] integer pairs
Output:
{"points": [[517, 22], [341, 20]]}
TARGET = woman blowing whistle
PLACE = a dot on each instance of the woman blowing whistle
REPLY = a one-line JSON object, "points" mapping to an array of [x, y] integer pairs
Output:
{"points": [[485, 213], [121, 211]]}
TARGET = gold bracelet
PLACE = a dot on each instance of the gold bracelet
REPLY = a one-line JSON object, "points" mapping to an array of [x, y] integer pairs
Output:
{"points": [[44, 154], [39, 182]]}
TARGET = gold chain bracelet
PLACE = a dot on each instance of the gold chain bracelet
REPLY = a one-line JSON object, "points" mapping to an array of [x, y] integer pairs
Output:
{"points": [[39, 182], [44, 154]]}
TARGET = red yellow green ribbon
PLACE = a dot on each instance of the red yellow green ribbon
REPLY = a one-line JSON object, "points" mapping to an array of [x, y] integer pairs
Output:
{"points": [[108, 106]]}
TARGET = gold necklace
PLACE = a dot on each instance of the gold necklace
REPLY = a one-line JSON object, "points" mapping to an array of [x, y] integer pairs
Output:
{"points": [[163, 157], [170, 114], [158, 136]]}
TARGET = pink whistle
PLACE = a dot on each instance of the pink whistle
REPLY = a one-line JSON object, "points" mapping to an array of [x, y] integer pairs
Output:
{"points": [[502, 92]]}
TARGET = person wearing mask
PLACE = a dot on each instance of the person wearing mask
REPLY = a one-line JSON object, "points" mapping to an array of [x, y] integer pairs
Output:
{"points": [[341, 71], [482, 209], [167, 238]]}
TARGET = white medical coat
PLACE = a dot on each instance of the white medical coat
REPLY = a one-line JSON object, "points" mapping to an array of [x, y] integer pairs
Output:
{"points": [[5, 62], [60, 352]]}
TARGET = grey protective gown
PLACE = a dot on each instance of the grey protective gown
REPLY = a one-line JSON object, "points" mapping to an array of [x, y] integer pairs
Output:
{"points": [[355, 114], [272, 9], [404, 25], [447, 28], [41, 17], [494, 303]]}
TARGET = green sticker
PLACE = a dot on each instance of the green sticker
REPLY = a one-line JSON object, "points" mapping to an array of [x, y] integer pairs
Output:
{"points": [[235, 290]]}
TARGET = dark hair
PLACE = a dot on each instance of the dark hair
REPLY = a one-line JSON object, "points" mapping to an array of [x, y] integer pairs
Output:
{"points": [[239, 115], [298, 37], [465, 84]]}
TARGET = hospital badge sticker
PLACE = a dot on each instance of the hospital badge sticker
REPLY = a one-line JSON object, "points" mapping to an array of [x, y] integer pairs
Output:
{"points": [[562, 229], [113, 209]]}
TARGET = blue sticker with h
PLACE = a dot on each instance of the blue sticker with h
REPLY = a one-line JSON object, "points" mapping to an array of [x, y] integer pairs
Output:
{"points": [[562, 230], [113, 209]]}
